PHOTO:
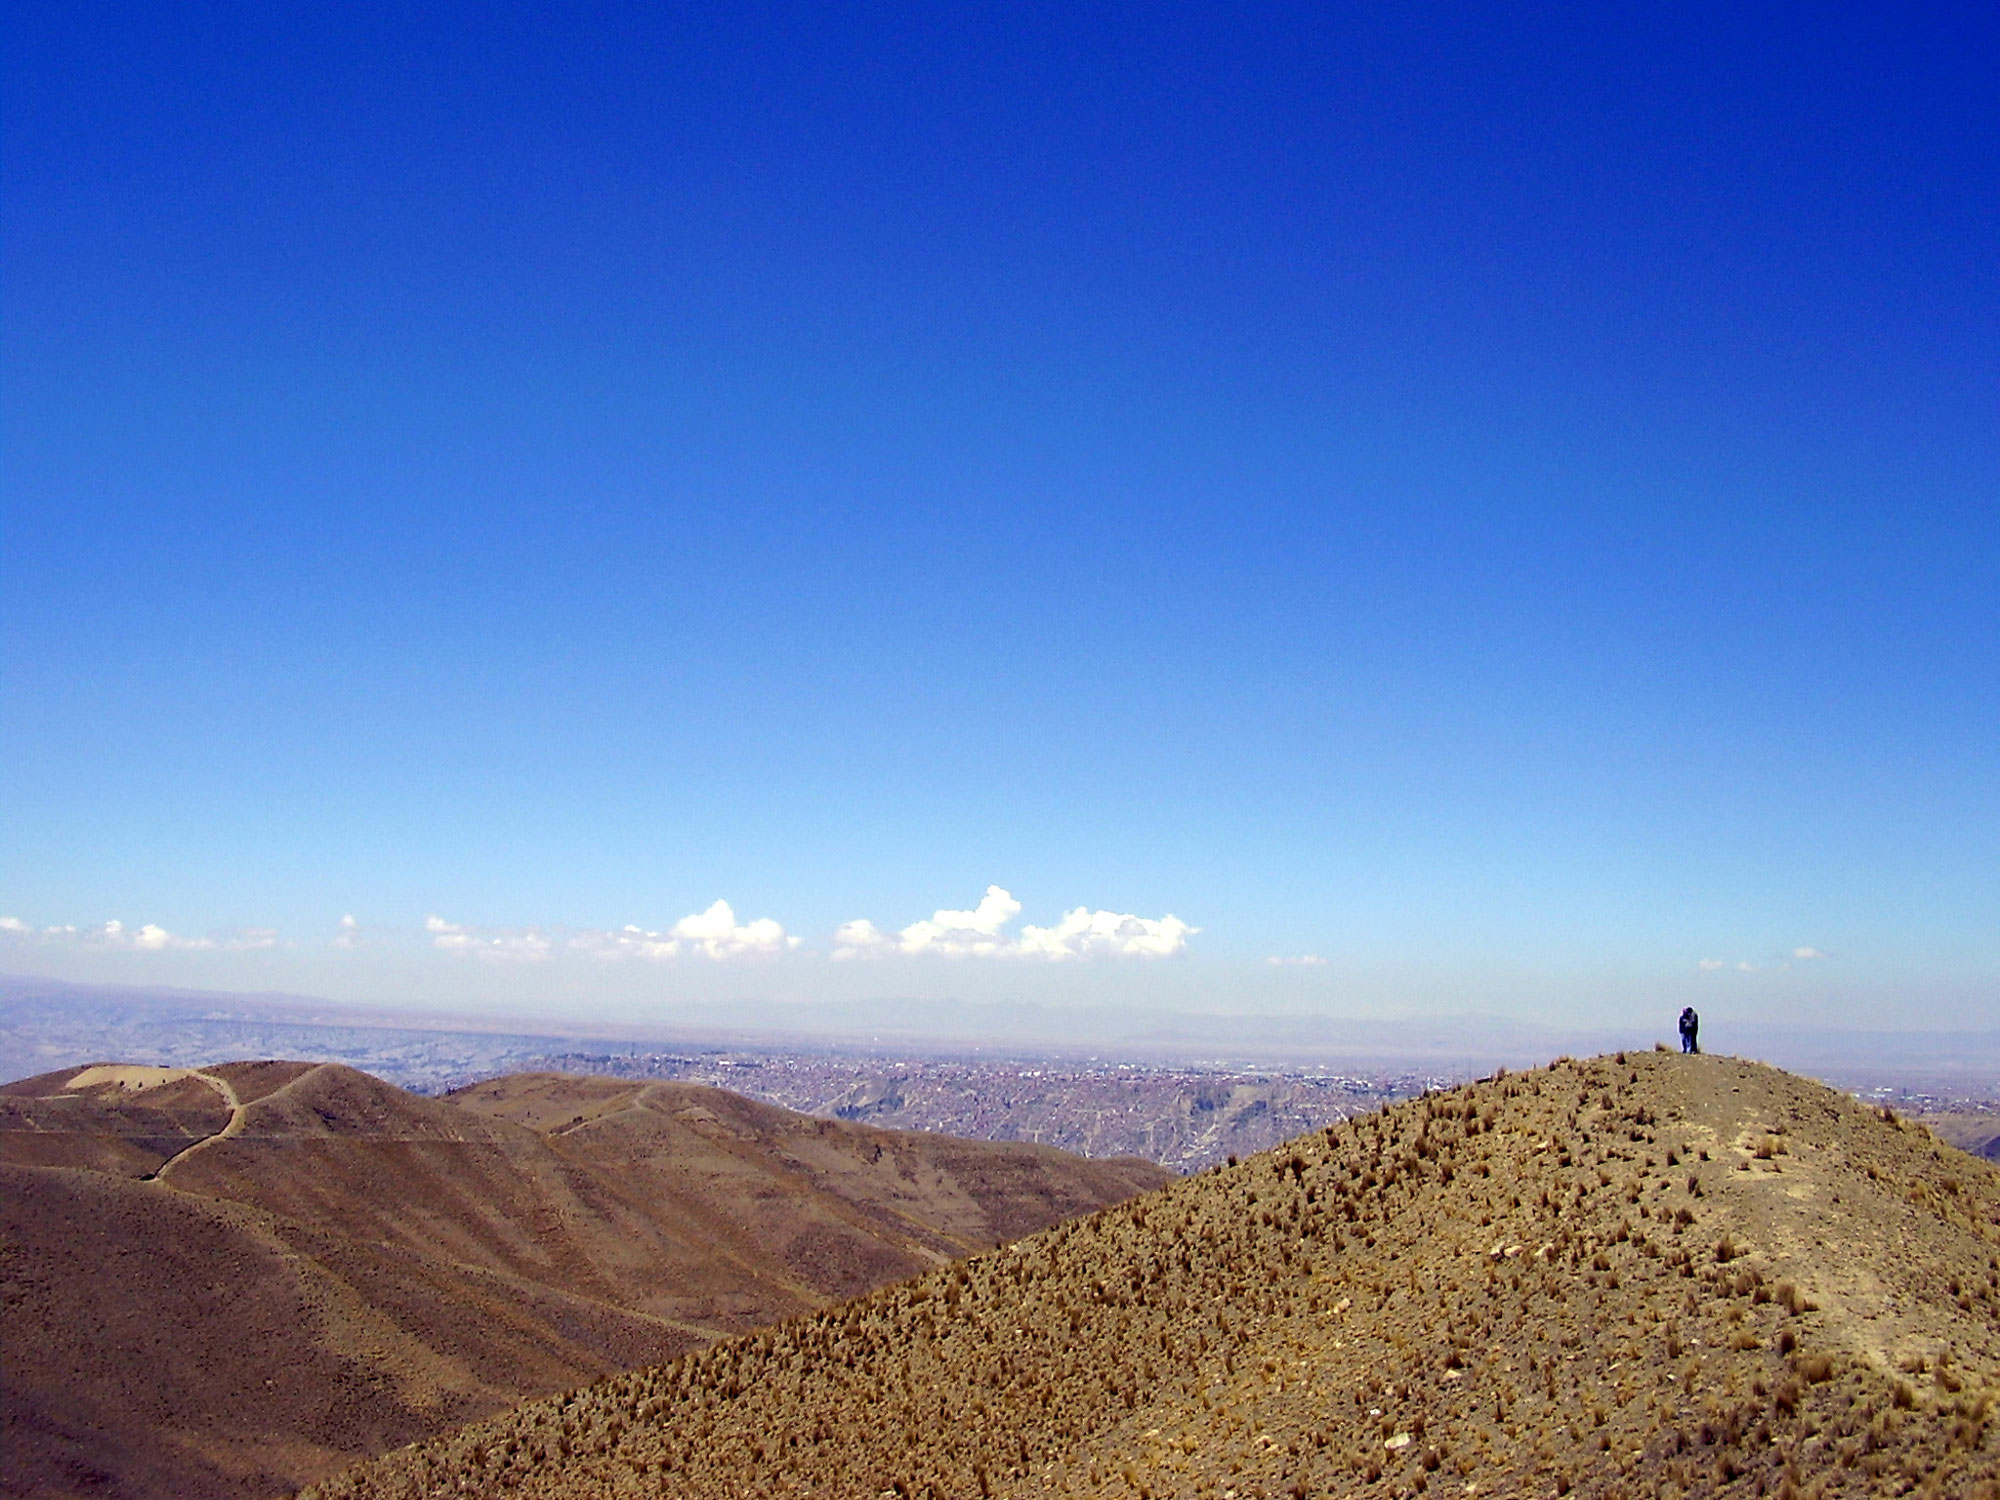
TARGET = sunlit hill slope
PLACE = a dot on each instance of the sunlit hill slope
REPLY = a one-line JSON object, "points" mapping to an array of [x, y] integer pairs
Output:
{"points": [[1648, 1275]]}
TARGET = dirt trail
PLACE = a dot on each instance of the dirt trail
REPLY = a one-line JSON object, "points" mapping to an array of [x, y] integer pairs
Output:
{"points": [[233, 1126], [239, 1114]]}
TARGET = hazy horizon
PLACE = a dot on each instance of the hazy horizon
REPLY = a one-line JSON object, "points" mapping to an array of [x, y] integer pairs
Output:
{"points": [[52, 1023]]}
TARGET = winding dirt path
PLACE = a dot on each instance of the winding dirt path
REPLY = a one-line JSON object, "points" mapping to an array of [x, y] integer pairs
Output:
{"points": [[233, 1126]]}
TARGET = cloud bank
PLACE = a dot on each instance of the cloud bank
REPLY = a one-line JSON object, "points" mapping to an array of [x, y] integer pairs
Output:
{"points": [[147, 938], [520, 945], [981, 933], [713, 934]]}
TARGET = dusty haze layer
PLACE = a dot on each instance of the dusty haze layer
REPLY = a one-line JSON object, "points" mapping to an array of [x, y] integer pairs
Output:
{"points": [[227, 1281], [1639, 1275]]}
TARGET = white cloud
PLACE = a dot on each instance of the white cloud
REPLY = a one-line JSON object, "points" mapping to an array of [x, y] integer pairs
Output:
{"points": [[1746, 966], [714, 934], [147, 939], [525, 945], [949, 934], [1714, 963], [349, 935], [981, 933], [1807, 953], [1303, 961], [861, 938], [448, 935], [1083, 933], [627, 942]]}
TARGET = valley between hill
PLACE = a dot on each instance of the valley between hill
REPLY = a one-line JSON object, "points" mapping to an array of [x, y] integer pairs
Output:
{"points": [[229, 1281], [1646, 1275]]}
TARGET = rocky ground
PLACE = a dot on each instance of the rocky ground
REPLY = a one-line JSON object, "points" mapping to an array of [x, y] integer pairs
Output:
{"points": [[1639, 1275]]}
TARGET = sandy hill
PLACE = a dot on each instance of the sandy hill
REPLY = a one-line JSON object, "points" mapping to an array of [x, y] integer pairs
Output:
{"points": [[1650, 1275], [227, 1282]]}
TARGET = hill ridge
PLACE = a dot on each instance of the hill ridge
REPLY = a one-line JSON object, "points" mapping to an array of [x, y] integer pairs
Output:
{"points": [[1641, 1274], [332, 1267]]}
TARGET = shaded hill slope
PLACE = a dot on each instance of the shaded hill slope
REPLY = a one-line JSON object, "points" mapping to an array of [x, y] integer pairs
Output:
{"points": [[1647, 1275], [230, 1281]]}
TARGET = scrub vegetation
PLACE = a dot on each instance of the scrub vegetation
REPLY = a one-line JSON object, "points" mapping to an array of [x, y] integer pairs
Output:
{"points": [[1645, 1275]]}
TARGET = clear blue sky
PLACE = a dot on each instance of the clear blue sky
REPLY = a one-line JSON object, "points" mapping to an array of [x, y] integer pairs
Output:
{"points": [[1503, 502]]}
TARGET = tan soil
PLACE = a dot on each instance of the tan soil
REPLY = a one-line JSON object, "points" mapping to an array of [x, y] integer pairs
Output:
{"points": [[1651, 1275], [127, 1076], [233, 1280]]}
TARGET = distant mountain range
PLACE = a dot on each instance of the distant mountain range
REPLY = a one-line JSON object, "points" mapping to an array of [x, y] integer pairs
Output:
{"points": [[225, 1282]]}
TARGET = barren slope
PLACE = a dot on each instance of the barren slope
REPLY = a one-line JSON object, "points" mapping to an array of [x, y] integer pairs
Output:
{"points": [[230, 1281], [1652, 1275]]}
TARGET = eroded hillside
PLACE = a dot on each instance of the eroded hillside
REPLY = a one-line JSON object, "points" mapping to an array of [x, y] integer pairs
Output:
{"points": [[228, 1281], [1647, 1275]]}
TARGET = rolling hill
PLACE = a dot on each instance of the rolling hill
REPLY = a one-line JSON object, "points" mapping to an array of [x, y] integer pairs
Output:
{"points": [[228, 1281], [1637, 1275]]}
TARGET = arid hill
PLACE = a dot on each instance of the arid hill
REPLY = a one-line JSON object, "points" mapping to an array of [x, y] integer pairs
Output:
{"points": [[1650, 1275], [1976, 1131], [230, 1281]]}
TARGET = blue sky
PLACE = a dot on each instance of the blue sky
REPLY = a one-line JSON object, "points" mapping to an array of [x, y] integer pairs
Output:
{"points": [[1503, 504]]}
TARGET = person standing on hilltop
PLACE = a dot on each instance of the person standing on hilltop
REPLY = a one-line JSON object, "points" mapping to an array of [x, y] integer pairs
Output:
{"points": [[1690, 1026]]}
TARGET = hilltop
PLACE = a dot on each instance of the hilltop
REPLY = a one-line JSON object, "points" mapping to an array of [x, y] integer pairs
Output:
{"points": [[228, 1281], [1636, 1275]]}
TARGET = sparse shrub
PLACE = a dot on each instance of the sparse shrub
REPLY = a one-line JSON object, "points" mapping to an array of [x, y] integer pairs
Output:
{"points": [[1792, 1299]]}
